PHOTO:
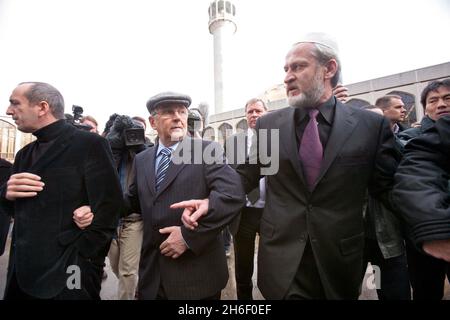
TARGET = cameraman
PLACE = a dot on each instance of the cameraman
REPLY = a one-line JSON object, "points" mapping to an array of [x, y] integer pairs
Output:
{"points": [[127, 138]]}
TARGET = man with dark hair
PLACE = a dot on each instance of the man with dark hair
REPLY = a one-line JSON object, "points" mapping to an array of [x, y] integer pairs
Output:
{"points": [[426, 272], [53, 180], [435, 99]]}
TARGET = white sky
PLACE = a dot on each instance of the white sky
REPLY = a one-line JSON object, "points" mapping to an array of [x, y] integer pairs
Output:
{"points": [[111, 56]]}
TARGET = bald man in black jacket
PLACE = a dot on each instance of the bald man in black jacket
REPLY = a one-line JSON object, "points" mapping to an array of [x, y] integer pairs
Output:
{"points": [[63, 170]]}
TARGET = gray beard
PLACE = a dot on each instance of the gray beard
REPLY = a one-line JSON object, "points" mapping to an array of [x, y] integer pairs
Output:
{"points": [[311, 98]]}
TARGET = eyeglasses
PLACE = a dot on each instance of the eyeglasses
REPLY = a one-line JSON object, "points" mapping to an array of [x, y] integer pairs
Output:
{"points": [[170, 113]]}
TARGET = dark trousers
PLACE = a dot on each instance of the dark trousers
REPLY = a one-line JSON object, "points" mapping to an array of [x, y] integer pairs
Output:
{"points": [[427, 274], [91, 280], [162, 295], [244, 251], [306, 284], [4, 230], [394, 284]]}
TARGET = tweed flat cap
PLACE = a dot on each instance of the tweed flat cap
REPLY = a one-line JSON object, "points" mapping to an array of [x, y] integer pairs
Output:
{"points": [[168, 97]]}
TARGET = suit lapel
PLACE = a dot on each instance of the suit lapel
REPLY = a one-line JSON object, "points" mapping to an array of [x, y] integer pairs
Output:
{"points": [[149, 168], [173, 170], [288, 140], [343, 125]]}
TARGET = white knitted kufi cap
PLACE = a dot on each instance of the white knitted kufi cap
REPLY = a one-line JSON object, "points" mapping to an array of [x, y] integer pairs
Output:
{"points": [[320, 38]]}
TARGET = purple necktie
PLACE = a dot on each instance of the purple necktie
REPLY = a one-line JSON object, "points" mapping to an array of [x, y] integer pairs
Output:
{"points": [[311, 151]]}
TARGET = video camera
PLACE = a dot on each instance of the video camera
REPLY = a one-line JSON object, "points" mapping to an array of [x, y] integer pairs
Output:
{"points": [[134, 136], [75, 119], [124, 135], [126, 132]]}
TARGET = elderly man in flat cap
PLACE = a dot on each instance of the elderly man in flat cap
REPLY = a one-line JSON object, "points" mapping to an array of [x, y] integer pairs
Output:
{"points": [[177, 262], [311, 232]]}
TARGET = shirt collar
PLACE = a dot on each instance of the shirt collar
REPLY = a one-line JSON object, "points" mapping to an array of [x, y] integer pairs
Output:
{"points": [[395, 128], [161, 146], [326, 109]]}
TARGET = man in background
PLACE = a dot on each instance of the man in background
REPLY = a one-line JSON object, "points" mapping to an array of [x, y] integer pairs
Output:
{"points": [[393, 109], [245, 227]]}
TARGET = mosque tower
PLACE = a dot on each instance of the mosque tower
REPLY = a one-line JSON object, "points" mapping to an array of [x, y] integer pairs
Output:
{"points": [[222, 26]]}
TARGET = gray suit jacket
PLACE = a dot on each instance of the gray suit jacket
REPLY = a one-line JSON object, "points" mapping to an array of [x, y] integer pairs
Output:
{"points": [[359, 154], [202, 270]]}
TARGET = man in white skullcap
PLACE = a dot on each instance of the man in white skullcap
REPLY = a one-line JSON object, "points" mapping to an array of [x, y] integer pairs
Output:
{"points": [[311, 232]]}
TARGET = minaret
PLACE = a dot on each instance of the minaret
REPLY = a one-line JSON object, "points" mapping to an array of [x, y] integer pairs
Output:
{"points": [[222, 26]]}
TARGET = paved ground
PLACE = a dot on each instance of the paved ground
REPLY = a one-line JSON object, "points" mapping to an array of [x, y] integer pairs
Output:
{"points": [[109, 286]]}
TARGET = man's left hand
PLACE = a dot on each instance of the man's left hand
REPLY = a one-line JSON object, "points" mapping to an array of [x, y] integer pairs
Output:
{"points": [[174, 246], [438, 248]]}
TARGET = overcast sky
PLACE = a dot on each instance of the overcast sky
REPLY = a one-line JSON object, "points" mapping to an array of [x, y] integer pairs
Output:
{"points": [[111, 56]]}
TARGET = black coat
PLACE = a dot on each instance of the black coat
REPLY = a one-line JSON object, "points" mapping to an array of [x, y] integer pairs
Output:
{"points": [[77, 170], [5, 218], [421, 191]]}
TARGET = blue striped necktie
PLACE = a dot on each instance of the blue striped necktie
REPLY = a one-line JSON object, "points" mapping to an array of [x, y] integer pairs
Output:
{"points": [[162, 166]]}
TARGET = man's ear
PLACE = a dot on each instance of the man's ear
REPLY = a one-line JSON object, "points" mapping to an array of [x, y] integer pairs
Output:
{"points": [[331, 69], [152, 121], [44, 108]]}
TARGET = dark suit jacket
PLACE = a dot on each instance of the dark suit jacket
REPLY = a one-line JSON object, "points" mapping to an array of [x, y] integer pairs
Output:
{"points": [[5, 218], [201, 271], [77, 170], [421, 189], [236, 152], [236, 149], [359, 154]]}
